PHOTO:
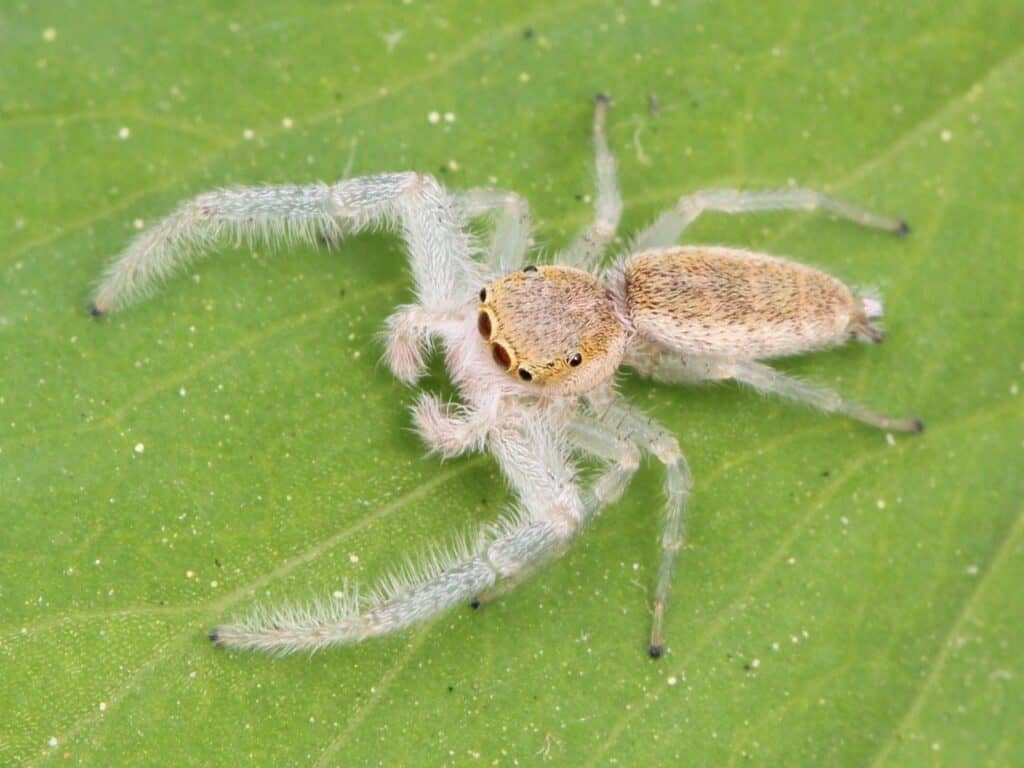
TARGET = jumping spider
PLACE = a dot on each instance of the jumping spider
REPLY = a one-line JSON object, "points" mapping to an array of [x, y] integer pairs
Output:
{"points": [[534, 353]]}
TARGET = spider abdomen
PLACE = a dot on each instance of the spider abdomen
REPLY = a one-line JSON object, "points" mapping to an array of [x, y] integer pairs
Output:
{"points": [[733, 303]]}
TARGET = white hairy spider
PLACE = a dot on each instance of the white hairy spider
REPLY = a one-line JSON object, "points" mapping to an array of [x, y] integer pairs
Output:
{"points": [[534, 351]]}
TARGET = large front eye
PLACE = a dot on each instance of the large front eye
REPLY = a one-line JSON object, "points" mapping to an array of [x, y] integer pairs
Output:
{"points": [[483, 324], [575, 359], [501, 356]]}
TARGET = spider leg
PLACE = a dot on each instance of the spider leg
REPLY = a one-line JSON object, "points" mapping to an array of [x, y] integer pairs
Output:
{"points": [[536, 463], [408, 596], [656, 362], [586, 251], [592, 437], [667, 228], [631, 424], [511, 239], [429, 218], [764, 378], [673, 368]]}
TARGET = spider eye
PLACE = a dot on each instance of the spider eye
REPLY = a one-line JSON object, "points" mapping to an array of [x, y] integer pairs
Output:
{"points": [[525, 375], [575, 359], [483, 294], [530, 268], [483, 324], [501, 356]]}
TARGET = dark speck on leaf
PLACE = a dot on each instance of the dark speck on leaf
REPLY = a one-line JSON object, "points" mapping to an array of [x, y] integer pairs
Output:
{"points": [[527, 33]]}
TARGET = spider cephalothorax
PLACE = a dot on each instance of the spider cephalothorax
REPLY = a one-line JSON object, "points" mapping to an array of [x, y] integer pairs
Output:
{"points": [[535, 359], [554, 326]]}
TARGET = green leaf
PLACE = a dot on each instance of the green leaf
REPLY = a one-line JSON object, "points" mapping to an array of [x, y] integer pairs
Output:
{"points": [[842, 600]]}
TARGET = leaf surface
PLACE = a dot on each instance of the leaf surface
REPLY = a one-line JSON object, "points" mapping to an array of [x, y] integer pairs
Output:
{"points": [[842, 600]]}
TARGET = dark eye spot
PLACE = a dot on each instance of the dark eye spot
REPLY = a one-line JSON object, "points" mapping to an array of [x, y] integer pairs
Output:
{"points": [[575, 359], [501, 356], [483, 294], [530, 268], [483, 324], [525, 375]]}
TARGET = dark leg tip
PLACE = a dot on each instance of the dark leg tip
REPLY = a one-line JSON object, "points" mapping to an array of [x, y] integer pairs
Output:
{"points": [[213, 637], [602, 98], [475, 603], [903, 228], [655, 651], [918, 426], [96, 311]]}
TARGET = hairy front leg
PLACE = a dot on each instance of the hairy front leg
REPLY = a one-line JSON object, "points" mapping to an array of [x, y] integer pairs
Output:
{"points": [[550, 516], [594, 438], [430, 220]]}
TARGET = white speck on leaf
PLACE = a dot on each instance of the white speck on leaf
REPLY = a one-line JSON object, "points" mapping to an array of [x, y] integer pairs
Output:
{"points": [[392, 39]]}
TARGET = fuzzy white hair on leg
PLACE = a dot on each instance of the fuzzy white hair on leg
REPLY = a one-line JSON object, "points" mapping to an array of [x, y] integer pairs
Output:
{"points": [[411, 592], [279, 216]]}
